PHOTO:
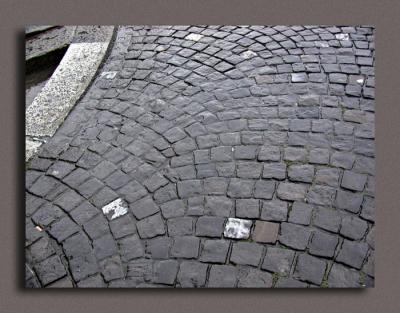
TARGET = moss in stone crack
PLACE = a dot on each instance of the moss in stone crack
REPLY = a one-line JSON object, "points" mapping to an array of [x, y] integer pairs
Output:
{"points": [[324, 283], [363, 277], [276, 276]]}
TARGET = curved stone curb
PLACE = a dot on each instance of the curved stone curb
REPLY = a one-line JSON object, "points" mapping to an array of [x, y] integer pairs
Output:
{"points": [[69, 81]]}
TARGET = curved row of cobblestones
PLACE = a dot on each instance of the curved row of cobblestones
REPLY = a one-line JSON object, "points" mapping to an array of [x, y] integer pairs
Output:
{"points": [[202, 126]]}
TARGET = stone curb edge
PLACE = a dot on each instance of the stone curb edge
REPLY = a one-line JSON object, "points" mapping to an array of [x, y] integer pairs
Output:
{"points": [[65, 87]]}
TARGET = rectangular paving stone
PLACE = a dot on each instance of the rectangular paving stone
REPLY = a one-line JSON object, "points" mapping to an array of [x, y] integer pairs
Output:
{"points": [[192, 274], [323, 244], [240, 188], [353, 227], [151, 226], [353, 181], [274, 210], [254, 278], [310, 269], [214, 251], [342, 277], [237, 228], [180, 226], [144, 208], [294, 236], [222, 276], [45, 274], [291, 191], [274, 170], [218, 206], [247, 208], [131, 248], [265, 232], [352, 253], [173, 208], [63, 229], [185, 247], [327, 219], [246, 253], [210, 226], [349, 201], [278, 260], [164, 272]]}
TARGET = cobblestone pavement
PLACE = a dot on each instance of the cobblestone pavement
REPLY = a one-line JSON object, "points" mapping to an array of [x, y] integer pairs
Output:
{"points": [[212, 157]]}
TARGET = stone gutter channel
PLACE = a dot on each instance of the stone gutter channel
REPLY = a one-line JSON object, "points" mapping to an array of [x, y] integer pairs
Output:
{"points": [[87, 49]]}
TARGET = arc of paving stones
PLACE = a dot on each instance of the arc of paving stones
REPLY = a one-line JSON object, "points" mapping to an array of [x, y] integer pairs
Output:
{"points": [[235, 157]]}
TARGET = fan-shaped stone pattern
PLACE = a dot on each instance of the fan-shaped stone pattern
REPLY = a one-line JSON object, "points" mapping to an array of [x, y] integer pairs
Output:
{"points": [[270, 125]]}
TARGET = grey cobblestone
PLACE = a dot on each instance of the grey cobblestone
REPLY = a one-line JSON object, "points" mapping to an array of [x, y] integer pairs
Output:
{"points": [[273, 125]]}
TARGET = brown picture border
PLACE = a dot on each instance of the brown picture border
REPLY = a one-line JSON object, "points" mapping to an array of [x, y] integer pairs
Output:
{"points": [[384, 15]]}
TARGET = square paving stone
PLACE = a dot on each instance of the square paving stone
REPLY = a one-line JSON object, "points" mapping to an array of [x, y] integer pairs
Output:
{"points": [[69, 200], [353, 181], [321, 195], [190, 188], [43, 185], [159, 247], [192, 274], [122, 226], [218, 206], [214, 251], [103, 197], [215, 185], [264, 189], [342, 277], [248, 169], [274, 210], [180, 226], [265, 232], [210, 226], [294, 236], [310, 269], [174, 208], [278, 260], [50, 269], [222, 276], [150, 227], [185, 247], [240, 188], [41, 250], [349, 201], [301, 173], [164, 272], [327, 219], [60, 169], [352, 253], [246, 253], [353, 227], [247, 208], [237, 228], [63, 229], [144, 208], [117, 180], [131, 248], [300, 213], [323, 244], [112, 268], [254, 278], [76, 177], [96, 227], [104, 247], [90, 187]]}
